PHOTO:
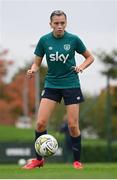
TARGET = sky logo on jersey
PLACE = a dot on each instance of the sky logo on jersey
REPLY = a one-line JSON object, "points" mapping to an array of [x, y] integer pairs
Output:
{"points": [[58, 57]]}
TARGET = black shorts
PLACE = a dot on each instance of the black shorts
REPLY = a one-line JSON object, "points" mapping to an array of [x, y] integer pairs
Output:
{"points": [[70, 95]]}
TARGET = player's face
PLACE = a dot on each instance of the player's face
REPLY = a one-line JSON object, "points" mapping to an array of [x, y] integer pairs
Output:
{"points": [[58, 24]]}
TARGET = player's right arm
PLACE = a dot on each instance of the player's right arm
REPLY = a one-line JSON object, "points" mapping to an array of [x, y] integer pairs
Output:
{"points": [[35, 66]]}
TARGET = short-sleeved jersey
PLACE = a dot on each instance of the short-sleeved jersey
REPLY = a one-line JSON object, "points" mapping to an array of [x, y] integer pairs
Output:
{"points": [[60, 56]]}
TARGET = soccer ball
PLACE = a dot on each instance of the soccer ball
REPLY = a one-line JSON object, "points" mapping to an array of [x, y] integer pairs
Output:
{"points": [[46, 145]]}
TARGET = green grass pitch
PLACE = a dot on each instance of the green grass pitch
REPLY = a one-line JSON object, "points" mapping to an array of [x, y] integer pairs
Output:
{"points": [[61, 171]]}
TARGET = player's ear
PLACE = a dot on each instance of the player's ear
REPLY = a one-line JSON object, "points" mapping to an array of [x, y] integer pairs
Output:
{"points": [[50, 24]]}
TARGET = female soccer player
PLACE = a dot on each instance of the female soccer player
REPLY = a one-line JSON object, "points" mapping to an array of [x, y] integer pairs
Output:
{"points": [[61, 81]]}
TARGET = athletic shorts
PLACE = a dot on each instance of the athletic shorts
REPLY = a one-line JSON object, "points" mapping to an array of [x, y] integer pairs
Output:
{"points": [[70, 95]]}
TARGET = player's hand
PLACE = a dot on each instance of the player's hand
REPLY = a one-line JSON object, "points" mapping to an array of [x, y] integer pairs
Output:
{"points": [[30, 73], [77, 69]]}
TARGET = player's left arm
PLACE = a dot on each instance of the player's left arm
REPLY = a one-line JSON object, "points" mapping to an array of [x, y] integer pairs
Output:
{"points": [[88, 60]]}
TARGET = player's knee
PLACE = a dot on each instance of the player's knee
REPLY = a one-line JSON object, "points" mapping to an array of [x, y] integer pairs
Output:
{"points": [[74, 130], [40, 126]]}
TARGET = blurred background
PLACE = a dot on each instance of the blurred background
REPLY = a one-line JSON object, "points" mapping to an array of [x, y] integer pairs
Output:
{"points": [[22, 23]]}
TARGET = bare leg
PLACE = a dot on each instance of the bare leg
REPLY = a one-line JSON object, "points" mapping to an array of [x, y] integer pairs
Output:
{"points": [[73, 119], [46, 109]]}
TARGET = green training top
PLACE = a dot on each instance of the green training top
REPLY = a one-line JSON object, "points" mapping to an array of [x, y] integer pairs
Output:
{"points": [[60, 56]]}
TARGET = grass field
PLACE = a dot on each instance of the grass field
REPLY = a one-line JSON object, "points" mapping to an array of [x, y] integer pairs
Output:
{"points": [[27, 135], [60, 171]]}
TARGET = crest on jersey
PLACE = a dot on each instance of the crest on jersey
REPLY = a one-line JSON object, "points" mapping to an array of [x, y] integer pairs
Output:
{"points": [[67, 47]]}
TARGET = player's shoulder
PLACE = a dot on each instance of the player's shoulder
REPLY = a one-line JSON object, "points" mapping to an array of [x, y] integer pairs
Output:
{"points": [[73, 36], [45, 36]]}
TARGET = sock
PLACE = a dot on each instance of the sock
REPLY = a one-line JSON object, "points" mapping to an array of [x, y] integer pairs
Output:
{"points": [[76, 147], [38, 134]]}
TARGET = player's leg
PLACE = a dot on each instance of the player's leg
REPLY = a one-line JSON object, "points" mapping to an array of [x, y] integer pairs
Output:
{"points": [[49, 100], [73, 119], [46, 109], [47, 106], [72, 98], [73, 124]]}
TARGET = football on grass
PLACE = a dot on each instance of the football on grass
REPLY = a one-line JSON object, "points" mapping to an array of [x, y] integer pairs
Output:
{"points": [[46, 145]]}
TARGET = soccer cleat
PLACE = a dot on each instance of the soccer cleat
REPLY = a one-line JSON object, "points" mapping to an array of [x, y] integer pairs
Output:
{"points": [[77, 165], [34, 163]]}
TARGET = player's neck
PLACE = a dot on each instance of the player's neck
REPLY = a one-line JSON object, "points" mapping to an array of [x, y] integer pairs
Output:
{"points": [[58, 35]]}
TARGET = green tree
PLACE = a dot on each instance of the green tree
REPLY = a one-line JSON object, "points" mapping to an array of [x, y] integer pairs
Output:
{"points": [[110, 61]]}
